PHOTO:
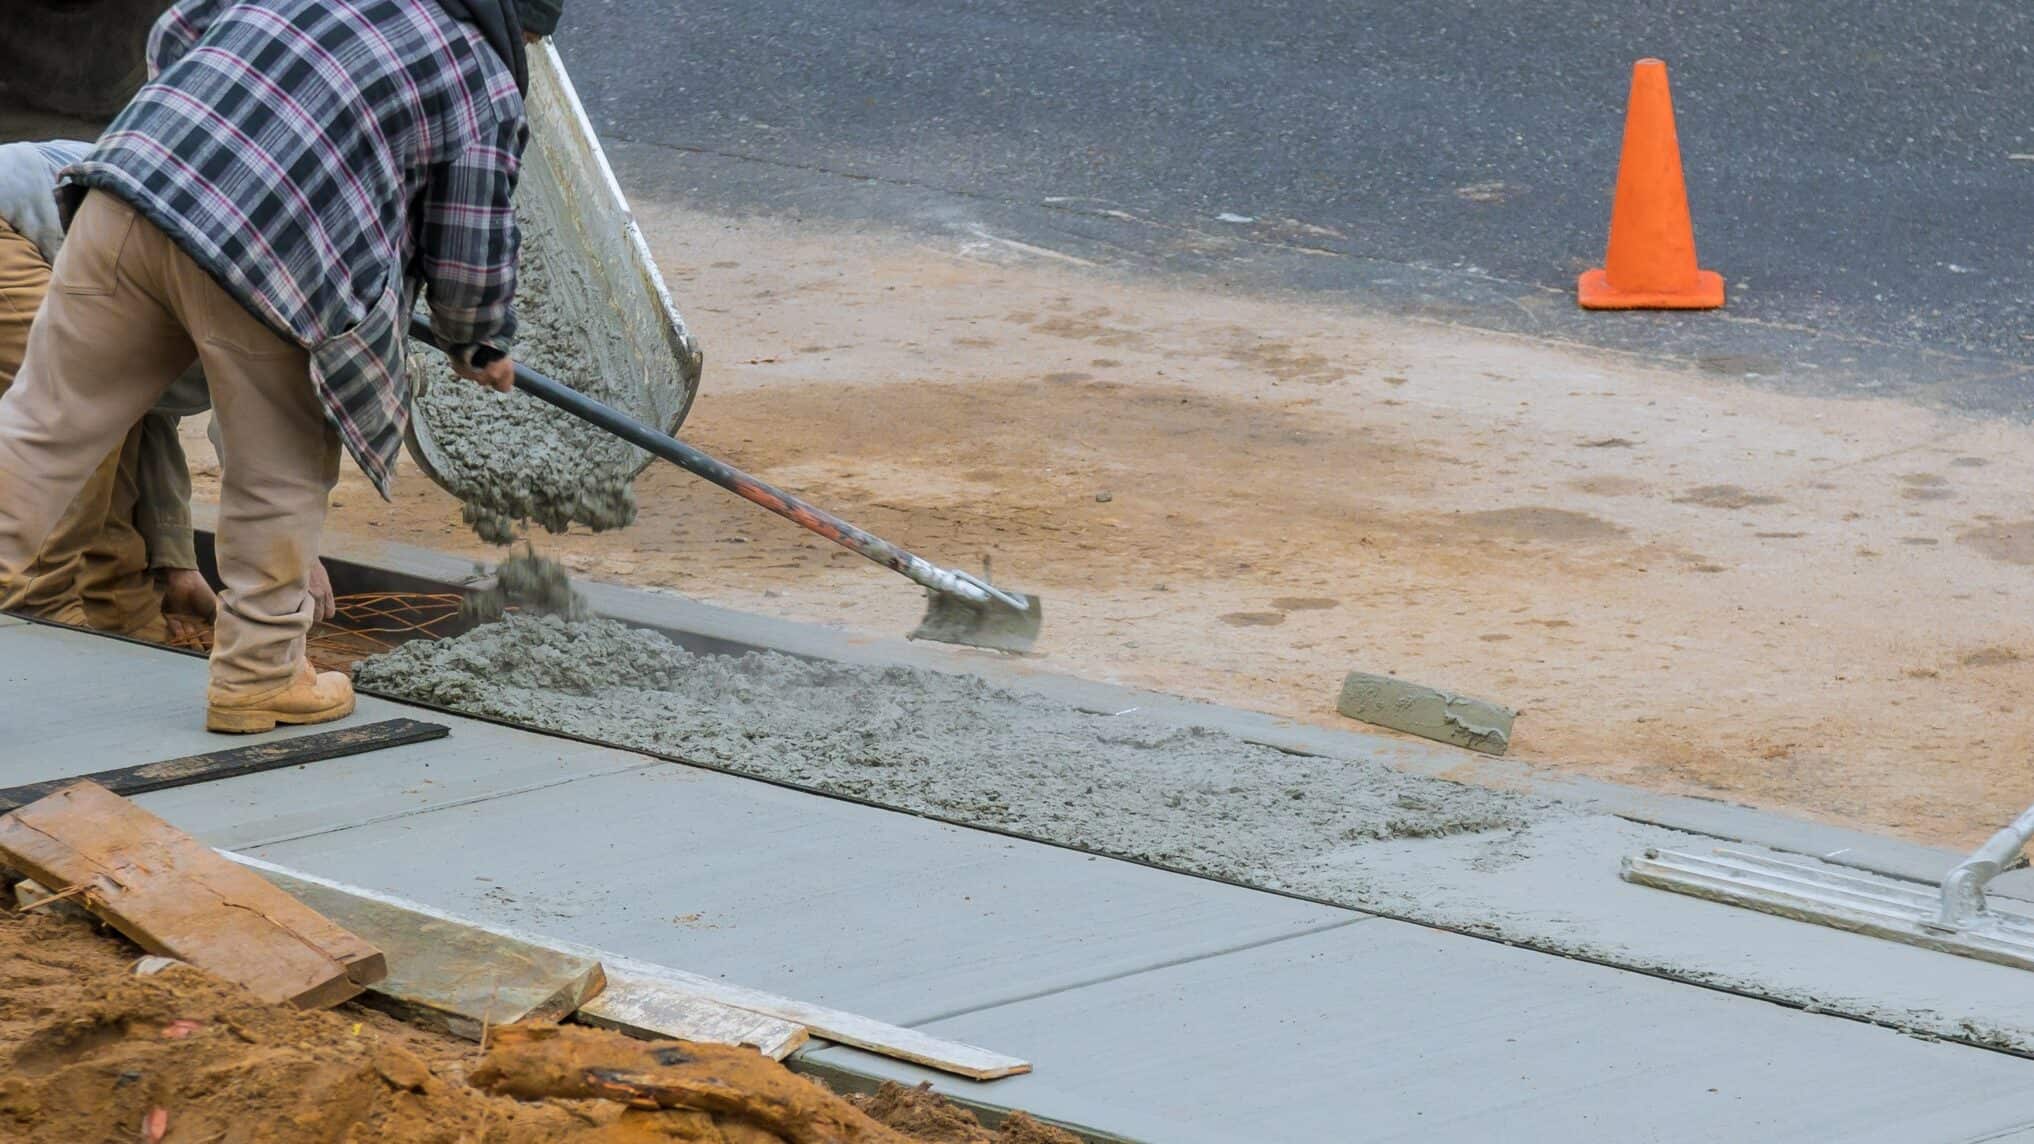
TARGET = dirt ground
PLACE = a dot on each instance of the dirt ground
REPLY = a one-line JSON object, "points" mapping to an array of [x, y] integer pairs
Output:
{"points": [[1684, 581], [94, 1053]]}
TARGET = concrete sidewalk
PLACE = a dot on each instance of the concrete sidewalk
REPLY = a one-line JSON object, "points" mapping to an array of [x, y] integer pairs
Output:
{"points": [[1156, 1006]]}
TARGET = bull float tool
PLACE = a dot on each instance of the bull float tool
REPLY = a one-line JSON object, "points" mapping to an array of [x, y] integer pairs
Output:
{"points": [[1952, 917], [961, 608]]}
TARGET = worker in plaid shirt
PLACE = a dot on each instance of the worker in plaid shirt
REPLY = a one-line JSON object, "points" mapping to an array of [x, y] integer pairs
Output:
{"points": [[268, 206]]}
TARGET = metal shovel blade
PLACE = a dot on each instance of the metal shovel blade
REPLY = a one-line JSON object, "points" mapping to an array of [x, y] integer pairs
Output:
{"points": [[991, 624]]}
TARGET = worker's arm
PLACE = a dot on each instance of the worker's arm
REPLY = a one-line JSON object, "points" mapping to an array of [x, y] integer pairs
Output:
{"points": [[466, 251], [162, 515], [178, 30], [28, 175]]}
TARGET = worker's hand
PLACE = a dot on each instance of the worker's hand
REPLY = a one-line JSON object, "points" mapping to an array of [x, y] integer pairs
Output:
{"points": [[322, 603], [185, 593], [498, 375]]}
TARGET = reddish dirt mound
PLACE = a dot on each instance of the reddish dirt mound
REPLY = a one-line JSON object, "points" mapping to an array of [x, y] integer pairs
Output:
{"points": [[922, 1114], [88, 1051]]}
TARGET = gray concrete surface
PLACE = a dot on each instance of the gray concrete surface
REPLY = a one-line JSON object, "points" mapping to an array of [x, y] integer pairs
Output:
{"points": [[1388, 1032], [1854, 170], [1552, 886], [882, 914], [1155, 1006], [1343, 830]]}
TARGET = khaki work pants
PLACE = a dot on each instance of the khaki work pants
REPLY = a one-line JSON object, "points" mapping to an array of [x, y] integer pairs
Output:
{"points": [[127, 312], [93, 570]]}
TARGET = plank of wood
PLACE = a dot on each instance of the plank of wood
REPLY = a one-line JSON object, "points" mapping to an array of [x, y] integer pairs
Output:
{"points": [[894, 1041], [645, 1007], [449, 976], [189, 769], [174, 896]]}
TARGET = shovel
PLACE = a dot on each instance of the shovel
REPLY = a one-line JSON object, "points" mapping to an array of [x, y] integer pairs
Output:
{"points": [[960, 608]]}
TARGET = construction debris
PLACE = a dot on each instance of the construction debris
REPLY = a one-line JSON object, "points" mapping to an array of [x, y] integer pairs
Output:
{"points": [[1428, 712], [175, 897], [90, 1051]]}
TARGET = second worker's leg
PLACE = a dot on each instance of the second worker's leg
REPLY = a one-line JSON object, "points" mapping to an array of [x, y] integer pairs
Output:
{"points": [[100, 352], [116, 587]]}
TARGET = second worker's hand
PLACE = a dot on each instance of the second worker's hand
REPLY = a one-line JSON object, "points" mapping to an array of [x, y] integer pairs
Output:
{"points": [[498, 375], [185, 593], [323, 605]]}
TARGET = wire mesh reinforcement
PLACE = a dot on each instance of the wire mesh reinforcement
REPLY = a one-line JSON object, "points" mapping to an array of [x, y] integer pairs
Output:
{"points": [[362, 625]]}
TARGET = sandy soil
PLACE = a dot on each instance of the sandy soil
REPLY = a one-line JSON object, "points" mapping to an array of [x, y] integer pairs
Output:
{"points": [[1684, 581], [95, 1053]]}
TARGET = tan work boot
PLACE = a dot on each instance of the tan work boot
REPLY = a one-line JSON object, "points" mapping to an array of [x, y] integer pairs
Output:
{"points": [[312, 697]]}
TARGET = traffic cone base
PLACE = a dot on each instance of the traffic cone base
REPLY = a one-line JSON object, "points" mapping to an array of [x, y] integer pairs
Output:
{"points": [[1650, 263], [1596, 293]]}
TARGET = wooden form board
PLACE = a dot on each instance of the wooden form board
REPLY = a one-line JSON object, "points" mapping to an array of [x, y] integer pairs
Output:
{"points": [[247, 760], [455, 978], [894, 1041], [845, 1028], [176, 897], [645, 1007]]}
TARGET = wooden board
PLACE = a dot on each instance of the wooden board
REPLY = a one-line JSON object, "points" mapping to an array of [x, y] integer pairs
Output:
{"points": [[190, 769], [888, 1040], [453, 977], [894, 1041], [176, 897], [645, 1007]]}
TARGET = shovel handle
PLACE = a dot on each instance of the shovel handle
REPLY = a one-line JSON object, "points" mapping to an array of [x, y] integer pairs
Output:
{"points": [[786, 505]]}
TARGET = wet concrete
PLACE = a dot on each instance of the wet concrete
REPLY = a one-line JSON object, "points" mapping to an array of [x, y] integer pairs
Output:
{"points": [[511, 458], [530, 584], [1521, 870], [957, 746]]}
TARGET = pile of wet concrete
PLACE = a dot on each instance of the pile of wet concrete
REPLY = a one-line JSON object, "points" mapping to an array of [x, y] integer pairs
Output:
{"points": [[511, 459], [949, 745]]}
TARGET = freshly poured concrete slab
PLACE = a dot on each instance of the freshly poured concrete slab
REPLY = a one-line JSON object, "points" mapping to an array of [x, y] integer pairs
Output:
{"points": [[1566, 897], [706, 628], [1555, 885], [1155, 1005], [74, 703], [145, 703], [867, 910], [1386, 1031], [478, 761]]}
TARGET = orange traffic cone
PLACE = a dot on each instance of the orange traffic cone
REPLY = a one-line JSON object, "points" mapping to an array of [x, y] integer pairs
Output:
{"points": [[1651, 263]]}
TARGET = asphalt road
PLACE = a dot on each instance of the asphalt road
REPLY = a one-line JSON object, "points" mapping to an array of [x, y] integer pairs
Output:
{"points": [[1860, 170]]}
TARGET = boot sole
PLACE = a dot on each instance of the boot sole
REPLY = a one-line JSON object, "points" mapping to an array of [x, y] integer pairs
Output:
{"points": [[253, 721]]}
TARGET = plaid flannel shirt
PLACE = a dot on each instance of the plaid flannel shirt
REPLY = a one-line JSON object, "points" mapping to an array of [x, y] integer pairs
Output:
{"points": [[322, 159]]}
